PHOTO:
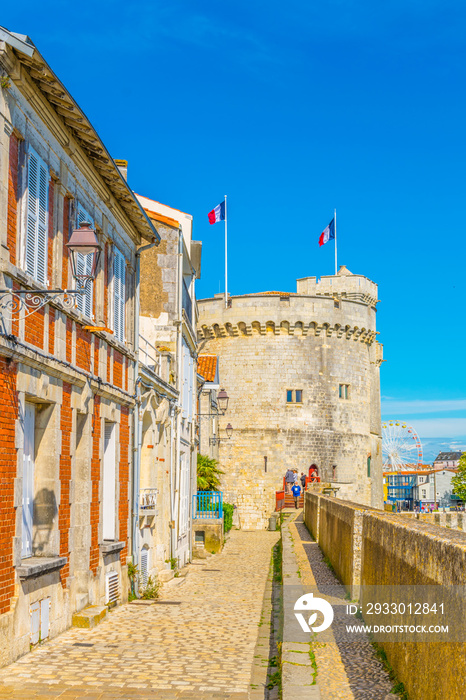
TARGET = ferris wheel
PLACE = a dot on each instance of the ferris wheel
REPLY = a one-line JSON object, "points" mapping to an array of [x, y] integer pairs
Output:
{"points": [[401, 446]]}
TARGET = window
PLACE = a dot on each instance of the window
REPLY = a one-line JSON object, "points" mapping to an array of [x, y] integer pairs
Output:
{"points": [[421, 479], [83, 267], [294, 396], [336, 303], [369, 465], [36, 218], [39, 503], [119, 295], [424, 493], [344, 391], [109, 485], [28, 479]]}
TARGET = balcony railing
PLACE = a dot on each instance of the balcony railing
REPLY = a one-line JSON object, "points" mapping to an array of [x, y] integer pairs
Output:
{"points": [[148, 501], [149, 355], [208, 504], [187, 303]]}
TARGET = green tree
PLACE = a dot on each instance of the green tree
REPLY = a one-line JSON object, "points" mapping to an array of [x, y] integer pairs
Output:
{"points": [[459, 480], [208, 474]]}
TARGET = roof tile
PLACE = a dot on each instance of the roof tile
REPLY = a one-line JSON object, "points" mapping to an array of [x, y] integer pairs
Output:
{"points": [[207, 367]]}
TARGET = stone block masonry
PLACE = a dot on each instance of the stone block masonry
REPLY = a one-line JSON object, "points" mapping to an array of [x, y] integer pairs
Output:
{"points": [[302, 373]]}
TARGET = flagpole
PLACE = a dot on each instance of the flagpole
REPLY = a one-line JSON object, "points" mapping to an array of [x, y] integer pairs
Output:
{"points": [[335, 222], [226, 256]]}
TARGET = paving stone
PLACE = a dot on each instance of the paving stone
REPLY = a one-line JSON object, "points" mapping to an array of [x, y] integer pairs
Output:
{"points": [[347, 668], [207, 642]]}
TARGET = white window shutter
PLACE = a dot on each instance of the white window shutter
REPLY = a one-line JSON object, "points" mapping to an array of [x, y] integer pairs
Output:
{"points": [[144, 566], [83, 267], [32, 213], [37, 218], [119, 294], [42, 223]]}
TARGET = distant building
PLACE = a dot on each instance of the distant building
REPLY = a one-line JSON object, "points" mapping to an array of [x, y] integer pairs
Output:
{"points": [[436, 489], [168, 318], [209, 438], [446, 460]]}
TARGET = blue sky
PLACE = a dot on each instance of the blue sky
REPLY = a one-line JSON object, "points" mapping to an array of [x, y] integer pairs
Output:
{"points": [[294, 109]]}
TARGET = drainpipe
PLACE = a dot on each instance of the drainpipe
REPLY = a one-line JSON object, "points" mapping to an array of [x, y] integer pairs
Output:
{"points": [[136, 422], [179, 371]]}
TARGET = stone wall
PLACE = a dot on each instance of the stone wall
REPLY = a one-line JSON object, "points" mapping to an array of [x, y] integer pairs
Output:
{"points": [[272, 343], [382, 552]]}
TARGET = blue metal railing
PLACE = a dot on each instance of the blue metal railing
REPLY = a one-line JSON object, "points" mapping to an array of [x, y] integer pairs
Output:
{"points": [[208, 504]]}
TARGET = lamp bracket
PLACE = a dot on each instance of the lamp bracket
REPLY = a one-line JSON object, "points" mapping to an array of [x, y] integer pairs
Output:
{"points": [[27, 301]]}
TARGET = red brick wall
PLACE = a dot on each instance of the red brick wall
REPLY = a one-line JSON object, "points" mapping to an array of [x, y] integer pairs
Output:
{"points": [[12, 198], [117, 369], [34, 328], [96, 356], [50, 234], [51, 330], [65, 477], [123, 510], [66, 231], [83, 348], [95, 478], [109, 359], [69, 338], [8, 415]]}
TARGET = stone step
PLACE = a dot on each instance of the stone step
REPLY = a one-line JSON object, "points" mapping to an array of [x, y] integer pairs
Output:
{"points": [[90, 616]]}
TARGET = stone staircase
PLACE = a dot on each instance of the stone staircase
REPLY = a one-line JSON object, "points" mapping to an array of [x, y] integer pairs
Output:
{"points": [[289, 500]]}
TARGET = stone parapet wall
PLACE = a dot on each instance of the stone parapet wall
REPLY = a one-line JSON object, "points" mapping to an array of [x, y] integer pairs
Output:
{"points": [[378, 551]]}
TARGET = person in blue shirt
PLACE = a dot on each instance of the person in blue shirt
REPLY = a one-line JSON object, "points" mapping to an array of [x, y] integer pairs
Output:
{"points": [[296, 489]]}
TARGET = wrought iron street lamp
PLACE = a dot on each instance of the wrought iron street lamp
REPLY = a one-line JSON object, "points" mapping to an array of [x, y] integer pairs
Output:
{"points": [[222, 400], [216, 440], [84, 252], [221, 405], [83, 242]]}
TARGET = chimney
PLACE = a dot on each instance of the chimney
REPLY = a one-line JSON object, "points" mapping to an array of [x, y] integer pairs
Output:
{"points": [[122, 166]]}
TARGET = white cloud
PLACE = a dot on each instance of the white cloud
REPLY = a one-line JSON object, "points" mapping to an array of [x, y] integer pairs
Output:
{"points": [[440, 427], [396, 407]]}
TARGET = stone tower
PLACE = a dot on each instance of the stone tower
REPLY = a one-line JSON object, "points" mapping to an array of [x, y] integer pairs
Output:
{"points": [[302, 373]]}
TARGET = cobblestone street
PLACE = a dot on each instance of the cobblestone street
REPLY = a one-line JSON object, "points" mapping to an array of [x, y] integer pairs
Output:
{"points": [[199, 642]]}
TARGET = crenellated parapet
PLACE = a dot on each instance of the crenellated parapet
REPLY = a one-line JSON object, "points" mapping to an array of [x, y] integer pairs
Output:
{"points": [[240, 329]]}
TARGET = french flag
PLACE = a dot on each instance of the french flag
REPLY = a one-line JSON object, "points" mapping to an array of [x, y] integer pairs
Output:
{"points": [[217, 214], [327, 234]]}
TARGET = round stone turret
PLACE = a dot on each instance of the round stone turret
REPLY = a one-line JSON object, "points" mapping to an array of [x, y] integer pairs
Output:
{"points": [[302, 373]]}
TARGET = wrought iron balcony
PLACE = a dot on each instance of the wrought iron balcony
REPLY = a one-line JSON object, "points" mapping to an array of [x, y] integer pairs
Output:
{"points": [[149, 355]]}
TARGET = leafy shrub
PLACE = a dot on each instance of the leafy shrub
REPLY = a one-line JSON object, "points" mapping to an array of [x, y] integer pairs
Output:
{"points": [[228, 509], [208, 474], [151, 589]]}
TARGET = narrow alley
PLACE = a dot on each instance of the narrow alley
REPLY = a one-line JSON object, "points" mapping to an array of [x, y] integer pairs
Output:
{"points": [[199, 641]]}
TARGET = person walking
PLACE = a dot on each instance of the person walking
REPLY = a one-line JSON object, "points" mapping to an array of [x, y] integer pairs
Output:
{"points": [[296, 489], [289, 480], [302, 479]]}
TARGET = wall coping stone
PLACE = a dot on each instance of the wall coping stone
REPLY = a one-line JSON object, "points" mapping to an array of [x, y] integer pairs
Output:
{"points": [[110, 547], [37, 566]]}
